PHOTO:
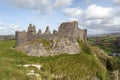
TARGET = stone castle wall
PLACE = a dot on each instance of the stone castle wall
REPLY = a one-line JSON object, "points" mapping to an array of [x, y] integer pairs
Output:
{"points": [[21, 38], [68, 30]]}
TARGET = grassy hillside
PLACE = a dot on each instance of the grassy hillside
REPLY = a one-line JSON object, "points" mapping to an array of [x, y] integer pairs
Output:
{"points": [[60, 67]]}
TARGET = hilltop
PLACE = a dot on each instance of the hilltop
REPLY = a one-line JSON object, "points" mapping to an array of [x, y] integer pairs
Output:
{"points": [[92, 63]]}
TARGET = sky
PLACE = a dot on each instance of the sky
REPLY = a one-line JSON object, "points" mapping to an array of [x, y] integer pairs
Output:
{"points": [[97, 16]]}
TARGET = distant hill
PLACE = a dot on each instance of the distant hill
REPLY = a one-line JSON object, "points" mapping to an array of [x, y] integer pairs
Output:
{"points": [[117, 34], [108, 42], [7, 37]]}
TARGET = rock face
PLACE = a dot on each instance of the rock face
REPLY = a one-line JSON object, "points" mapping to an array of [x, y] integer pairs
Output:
{"points": [[54, 47], [62, 41]]}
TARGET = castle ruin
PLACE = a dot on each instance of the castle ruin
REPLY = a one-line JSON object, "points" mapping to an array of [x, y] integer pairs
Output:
{"points": [[69, 30]]}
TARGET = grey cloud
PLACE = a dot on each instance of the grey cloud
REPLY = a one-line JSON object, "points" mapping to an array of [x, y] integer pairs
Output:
{"points": [[105, 26], [62, 3], [116, 2], [43, 6], [40, 6]]}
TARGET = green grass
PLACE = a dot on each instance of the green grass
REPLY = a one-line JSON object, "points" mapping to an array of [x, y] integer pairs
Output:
{"points": [[73, 67]]}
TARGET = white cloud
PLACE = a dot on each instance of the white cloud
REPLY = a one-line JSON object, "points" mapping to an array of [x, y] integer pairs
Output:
{"points": [[92, 12], [73, 12], [1, 28], [73, 19], [62, 3], [15, 27], [6, 28], [95, 11]]}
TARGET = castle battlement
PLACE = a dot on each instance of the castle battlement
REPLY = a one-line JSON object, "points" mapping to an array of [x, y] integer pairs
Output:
{"points": [[68, 30]]}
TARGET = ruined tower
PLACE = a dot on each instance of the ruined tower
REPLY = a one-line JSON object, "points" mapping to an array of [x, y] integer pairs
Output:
{"points": [[68, 27], [31, 29], [71, 30], [47, 31], [31, 33], [39, 31]]}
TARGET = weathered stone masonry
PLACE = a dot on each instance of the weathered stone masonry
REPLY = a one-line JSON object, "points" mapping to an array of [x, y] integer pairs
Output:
{"points": [[69, 30]]}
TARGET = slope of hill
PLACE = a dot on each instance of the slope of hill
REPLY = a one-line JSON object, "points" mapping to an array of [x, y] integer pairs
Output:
{"points": [[91, 64]]}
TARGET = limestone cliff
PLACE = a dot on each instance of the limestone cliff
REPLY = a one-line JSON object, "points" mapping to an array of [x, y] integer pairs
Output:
{"points": [[40, 47]]}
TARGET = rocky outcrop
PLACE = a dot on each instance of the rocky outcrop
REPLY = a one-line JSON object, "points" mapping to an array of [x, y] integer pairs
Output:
{"points": [[54, 47]]}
